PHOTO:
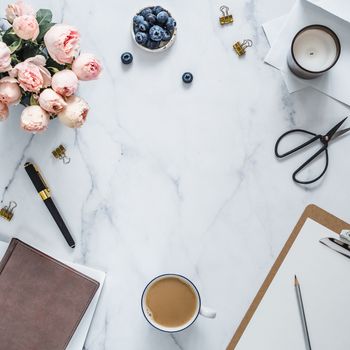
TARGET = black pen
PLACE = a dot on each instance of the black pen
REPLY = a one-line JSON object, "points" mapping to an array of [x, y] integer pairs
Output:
{"points": [[45, 195]]}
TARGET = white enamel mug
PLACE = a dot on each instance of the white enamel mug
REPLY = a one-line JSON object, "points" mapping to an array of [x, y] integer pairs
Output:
{"points": [[201, 310]]}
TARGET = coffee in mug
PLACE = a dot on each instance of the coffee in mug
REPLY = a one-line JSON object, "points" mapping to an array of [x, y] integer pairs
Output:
{"points": [[172, 303]]}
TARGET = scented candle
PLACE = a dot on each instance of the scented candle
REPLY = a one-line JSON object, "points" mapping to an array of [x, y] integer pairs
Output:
{"points": [[315, 50]]}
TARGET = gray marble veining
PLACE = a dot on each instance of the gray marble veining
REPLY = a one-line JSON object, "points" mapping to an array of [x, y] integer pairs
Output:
{"points": [[167, 178]]}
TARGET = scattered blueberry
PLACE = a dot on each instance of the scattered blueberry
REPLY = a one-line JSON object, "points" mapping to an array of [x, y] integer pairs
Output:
{"points": [[157, 9], [126, 58], [143, 26], [156, 33], [152, 44], [162, 17], [187, 78], [146, 12], [141, 38], [166, 35], [151, 19], [170, 24], [138, 19]]}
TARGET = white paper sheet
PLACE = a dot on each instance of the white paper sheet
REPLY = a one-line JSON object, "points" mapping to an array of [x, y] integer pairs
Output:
{"points": [[272, 30], [336, 83], [78, 339], [323, 276]]}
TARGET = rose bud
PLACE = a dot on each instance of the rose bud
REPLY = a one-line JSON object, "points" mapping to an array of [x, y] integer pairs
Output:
{"points": [[31, 74], [4, 111], [17, 9], [34, 119], [62, 42], [65, 82], [10, 93], [87, 67], [5, 58], [74, 115], [26, 27], [51, 101]]}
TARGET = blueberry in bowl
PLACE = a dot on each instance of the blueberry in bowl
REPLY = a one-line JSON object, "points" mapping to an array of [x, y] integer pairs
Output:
{"points": [[154, 29], [141, 38], [156, 33]]}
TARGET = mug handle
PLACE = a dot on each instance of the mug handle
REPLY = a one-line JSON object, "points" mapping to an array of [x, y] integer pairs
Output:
{"points": [[207, 312]]}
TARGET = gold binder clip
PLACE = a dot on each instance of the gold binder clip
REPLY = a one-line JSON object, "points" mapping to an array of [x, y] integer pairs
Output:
{"points": [[241, 47], [60, 153], [7, 211], [226, 17]]}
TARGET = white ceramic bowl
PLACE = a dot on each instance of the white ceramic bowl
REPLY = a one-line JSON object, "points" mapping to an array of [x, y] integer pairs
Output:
{"points": [[169, 44]]}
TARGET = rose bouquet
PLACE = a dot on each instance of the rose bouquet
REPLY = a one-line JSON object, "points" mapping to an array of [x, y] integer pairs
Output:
{"points": [[40, 67]]}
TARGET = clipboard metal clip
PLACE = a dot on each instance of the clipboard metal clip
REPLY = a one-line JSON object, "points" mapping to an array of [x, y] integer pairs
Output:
{"points": [[345, 235]]}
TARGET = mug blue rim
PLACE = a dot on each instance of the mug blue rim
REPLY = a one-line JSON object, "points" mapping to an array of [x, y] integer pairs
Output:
{"points": [[190, 282]]}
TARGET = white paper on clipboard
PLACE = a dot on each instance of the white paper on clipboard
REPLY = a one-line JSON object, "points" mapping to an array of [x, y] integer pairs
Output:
{"points": [[324, 278]]}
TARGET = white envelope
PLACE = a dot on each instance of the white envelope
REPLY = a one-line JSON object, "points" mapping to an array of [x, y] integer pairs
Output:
{"points": [[272, 32], [336, 83], [78, 340]]}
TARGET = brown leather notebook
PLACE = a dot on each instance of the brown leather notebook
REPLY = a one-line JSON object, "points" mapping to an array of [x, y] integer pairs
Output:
{"points": [[41, 300]]}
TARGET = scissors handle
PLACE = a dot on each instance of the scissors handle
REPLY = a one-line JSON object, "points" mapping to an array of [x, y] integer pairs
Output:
{"points": [[304, 165], [296, 149]]}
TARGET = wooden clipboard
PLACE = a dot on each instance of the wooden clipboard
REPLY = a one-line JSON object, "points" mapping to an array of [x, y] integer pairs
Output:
{"points": [[311, 211]]}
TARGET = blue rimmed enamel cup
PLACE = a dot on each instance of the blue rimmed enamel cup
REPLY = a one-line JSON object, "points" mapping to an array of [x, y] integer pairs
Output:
{"points": [[200, 309]]}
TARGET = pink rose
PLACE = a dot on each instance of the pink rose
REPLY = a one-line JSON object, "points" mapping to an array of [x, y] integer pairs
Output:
{"points": [[31, 74], [62, 42], [4, 111], [34, 119], [51, 101], [5, 58], [10, 93], [87, 67], [18, 9], [65, 82], [74, 115], [26, 27]]}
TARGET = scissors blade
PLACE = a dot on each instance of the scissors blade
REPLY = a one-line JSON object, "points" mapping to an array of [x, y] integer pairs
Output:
{"points": [[331, 132], [340, 132]]}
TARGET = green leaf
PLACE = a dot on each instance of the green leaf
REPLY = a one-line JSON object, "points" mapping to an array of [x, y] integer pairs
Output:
{"points": [[29, 49], [9, 37], [16, 45], [43, 29], [52, 64], [53, 70], [33, 101], [14, 60], [25, 100], [44, 16]]}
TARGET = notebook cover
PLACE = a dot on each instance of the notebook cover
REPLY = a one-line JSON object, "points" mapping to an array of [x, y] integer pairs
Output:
{"points": [[41, 300], [311, 211]]}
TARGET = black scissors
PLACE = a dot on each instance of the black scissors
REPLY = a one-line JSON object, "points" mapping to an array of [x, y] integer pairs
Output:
{"points": [[325, 139]]}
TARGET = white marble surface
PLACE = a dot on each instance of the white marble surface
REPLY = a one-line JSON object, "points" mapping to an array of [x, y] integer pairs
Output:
{"points": [[167, 178]]}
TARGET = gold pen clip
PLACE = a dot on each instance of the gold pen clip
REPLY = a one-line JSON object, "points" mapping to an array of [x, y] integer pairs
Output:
{"points": [[45, 193], [7, 211]]}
